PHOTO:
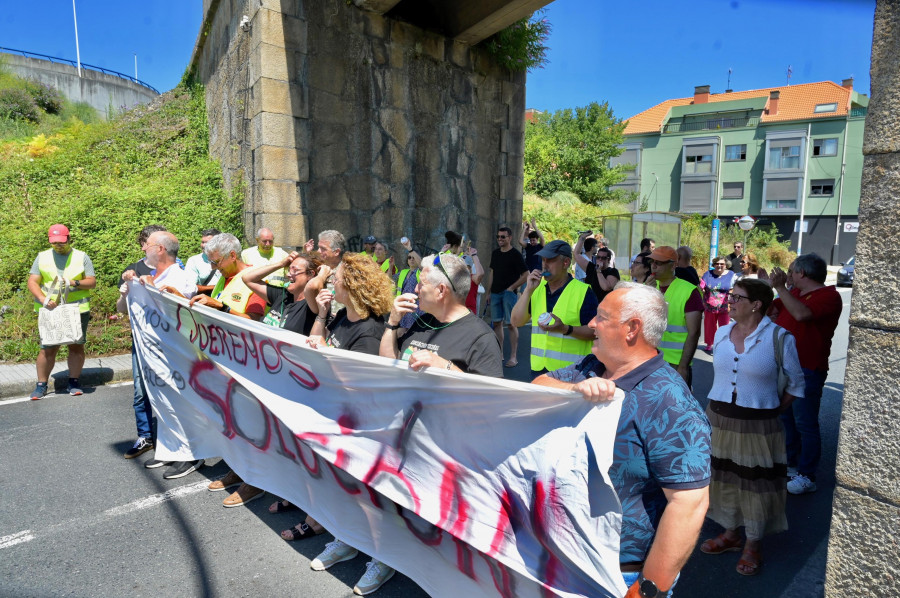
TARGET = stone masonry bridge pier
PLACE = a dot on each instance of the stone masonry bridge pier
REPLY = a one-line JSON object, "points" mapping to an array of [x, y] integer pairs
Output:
{"points": [[374, 117]]}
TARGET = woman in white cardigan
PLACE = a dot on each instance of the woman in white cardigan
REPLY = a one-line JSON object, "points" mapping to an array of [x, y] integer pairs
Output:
{"points": [[749, 462]]}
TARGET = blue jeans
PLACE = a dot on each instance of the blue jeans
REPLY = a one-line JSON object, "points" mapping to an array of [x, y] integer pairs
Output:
{"points": [[143, 413], [801, 426], [632, 577]]}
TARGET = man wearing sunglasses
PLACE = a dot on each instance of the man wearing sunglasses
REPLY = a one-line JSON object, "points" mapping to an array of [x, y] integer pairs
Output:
{"points": [[565, 338], [679, 341], [448, 335], [508, 272]]}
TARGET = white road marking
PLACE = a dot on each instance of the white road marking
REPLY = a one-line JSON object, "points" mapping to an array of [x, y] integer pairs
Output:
{"points": [[16, 538], [50, 395], [101, 518]]}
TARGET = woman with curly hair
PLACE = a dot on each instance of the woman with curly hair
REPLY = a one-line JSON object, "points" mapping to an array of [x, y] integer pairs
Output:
{"points": [[368, 294]]}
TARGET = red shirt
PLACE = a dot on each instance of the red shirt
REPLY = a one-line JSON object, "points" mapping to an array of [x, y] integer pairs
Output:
{"points": [[813, 336], [472, 297]]}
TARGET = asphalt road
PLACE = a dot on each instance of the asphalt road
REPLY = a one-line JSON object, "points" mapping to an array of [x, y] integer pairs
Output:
{"points": [[76, 519]]}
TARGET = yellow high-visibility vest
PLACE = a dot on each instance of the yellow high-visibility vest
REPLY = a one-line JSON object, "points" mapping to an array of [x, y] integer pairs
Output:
{"points": [[554, 350], [672, 343], [74, 270], [235, 294]]}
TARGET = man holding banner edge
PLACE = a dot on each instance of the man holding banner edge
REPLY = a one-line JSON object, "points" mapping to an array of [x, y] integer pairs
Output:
{"points": [[661, 474]]}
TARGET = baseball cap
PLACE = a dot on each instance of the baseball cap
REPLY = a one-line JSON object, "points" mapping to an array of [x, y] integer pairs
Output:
{"points": [[664, 254], [58, 233], [555, 248], [370, 240]]}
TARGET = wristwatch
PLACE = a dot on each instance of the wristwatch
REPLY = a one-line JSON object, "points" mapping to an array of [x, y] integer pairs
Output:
{"points": [[76, 283], [648, 589]]}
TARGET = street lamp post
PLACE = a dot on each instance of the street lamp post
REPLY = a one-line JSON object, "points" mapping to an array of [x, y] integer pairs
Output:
{"points": [[77, 51]]}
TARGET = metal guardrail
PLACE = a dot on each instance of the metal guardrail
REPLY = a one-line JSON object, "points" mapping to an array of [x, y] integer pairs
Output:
{"points": [[711, 124], [27, 54], [858, 112]]}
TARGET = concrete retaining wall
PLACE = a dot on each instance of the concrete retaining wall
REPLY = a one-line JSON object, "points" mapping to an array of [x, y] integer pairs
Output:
{"points": [[103, 92]]}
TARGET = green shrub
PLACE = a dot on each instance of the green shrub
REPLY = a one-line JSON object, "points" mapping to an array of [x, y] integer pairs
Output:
{"points": [[520, 47], [45, 96], [17, 104], [565, 219], [106, 181], [763, 241]]}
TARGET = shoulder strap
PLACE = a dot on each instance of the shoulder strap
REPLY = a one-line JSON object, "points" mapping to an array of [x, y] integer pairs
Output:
{"points": [[778, 340]]}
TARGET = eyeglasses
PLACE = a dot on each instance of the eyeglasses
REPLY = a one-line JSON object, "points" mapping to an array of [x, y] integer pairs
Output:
{"points": [[437, 262], [215, 263], [732, 298], [723, 264], [502, 237]]}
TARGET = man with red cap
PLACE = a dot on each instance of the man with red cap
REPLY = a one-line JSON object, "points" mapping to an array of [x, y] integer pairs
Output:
{"points": [[73, 272], [679, 341]]}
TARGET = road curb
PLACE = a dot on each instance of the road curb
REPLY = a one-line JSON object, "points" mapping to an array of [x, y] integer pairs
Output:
{"points": [[18, 380]]}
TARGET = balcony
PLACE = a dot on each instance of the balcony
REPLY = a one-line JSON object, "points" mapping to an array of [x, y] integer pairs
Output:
{"points": [[854, 112], [712, 124]]}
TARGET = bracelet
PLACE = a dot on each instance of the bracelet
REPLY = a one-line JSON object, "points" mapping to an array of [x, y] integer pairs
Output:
{"points": [[320, 319], [449, 364], [569, 331], [392, 326], [225, 309]]}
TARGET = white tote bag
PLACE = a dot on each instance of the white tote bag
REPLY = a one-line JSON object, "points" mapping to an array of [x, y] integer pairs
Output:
{"points": [[61, 325]]}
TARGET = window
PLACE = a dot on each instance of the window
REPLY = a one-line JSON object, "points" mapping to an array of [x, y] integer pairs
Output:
{"points": [[781, 194], [822, 187], [784, 157], [735, 153], [697, 197], [732, 190], [820, 108], [698, 164], [825, 147]]}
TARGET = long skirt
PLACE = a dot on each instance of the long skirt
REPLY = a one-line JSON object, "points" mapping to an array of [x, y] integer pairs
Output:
{"points": [[749, 467]]}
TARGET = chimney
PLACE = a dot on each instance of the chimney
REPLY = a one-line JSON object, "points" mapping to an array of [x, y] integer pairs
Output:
{"points": [[772, 110], [701, 94], [847, 83]]}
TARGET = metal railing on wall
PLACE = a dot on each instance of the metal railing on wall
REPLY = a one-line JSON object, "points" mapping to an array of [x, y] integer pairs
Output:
{"points": [[711, 124], [100, 69]]}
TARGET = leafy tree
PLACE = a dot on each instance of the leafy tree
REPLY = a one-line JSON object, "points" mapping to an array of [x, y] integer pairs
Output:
{"points": [[569, 150]]}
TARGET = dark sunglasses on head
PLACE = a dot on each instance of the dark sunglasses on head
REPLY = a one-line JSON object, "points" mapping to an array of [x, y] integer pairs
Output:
{"points": [[437, 262]]}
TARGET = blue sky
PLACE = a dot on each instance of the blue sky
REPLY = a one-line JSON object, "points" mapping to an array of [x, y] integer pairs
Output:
{"points": [[632, 54]]}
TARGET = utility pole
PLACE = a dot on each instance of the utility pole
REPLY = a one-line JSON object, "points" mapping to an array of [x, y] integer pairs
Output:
{"points": [[135, 67]]}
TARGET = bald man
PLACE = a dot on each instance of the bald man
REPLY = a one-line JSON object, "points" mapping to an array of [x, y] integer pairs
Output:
{"points": [[265, 254]]}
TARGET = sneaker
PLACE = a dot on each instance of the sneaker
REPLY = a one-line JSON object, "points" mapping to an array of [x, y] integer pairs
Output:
{"points": [[335, 552], [179, 469], [154, 463], [792, 472], [230, 479], [377, 573], [800, 484], [141, 446], [242, 496], [40, 390], [75, 387]]}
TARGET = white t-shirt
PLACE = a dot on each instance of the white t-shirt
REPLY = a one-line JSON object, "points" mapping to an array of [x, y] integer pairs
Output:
{"points": [[199, 268], [175, 277]]}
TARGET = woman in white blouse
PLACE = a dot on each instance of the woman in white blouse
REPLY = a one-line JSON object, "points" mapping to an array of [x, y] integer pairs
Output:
{"points": [[749, 462]]}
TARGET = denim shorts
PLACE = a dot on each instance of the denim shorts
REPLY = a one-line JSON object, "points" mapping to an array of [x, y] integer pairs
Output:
{"points": [[502, 305]]}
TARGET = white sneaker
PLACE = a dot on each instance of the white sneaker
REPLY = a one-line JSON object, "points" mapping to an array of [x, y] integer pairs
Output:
{"points": [[377, 573], [335, 552], [800, 484]]}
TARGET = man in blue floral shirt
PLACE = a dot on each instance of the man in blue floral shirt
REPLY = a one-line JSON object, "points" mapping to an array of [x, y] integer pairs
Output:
{"points": [[661, 468]]}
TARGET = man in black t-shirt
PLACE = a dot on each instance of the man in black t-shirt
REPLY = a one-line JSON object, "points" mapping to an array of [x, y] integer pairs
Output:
{"points": [[683, 268], [734, 258], [448, 336], [508, 273]]}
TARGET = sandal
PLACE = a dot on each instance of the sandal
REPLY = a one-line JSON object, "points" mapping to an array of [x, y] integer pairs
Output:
{"points": [[750, 562], [301, 531], [720, 544], [281, 506]]}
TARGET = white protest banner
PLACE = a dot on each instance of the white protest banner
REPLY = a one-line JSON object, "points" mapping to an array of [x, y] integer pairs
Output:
{"points": [[469, 485]]}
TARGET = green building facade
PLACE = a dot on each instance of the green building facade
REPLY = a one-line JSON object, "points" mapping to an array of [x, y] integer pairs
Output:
{"points": [[766, 153]]}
